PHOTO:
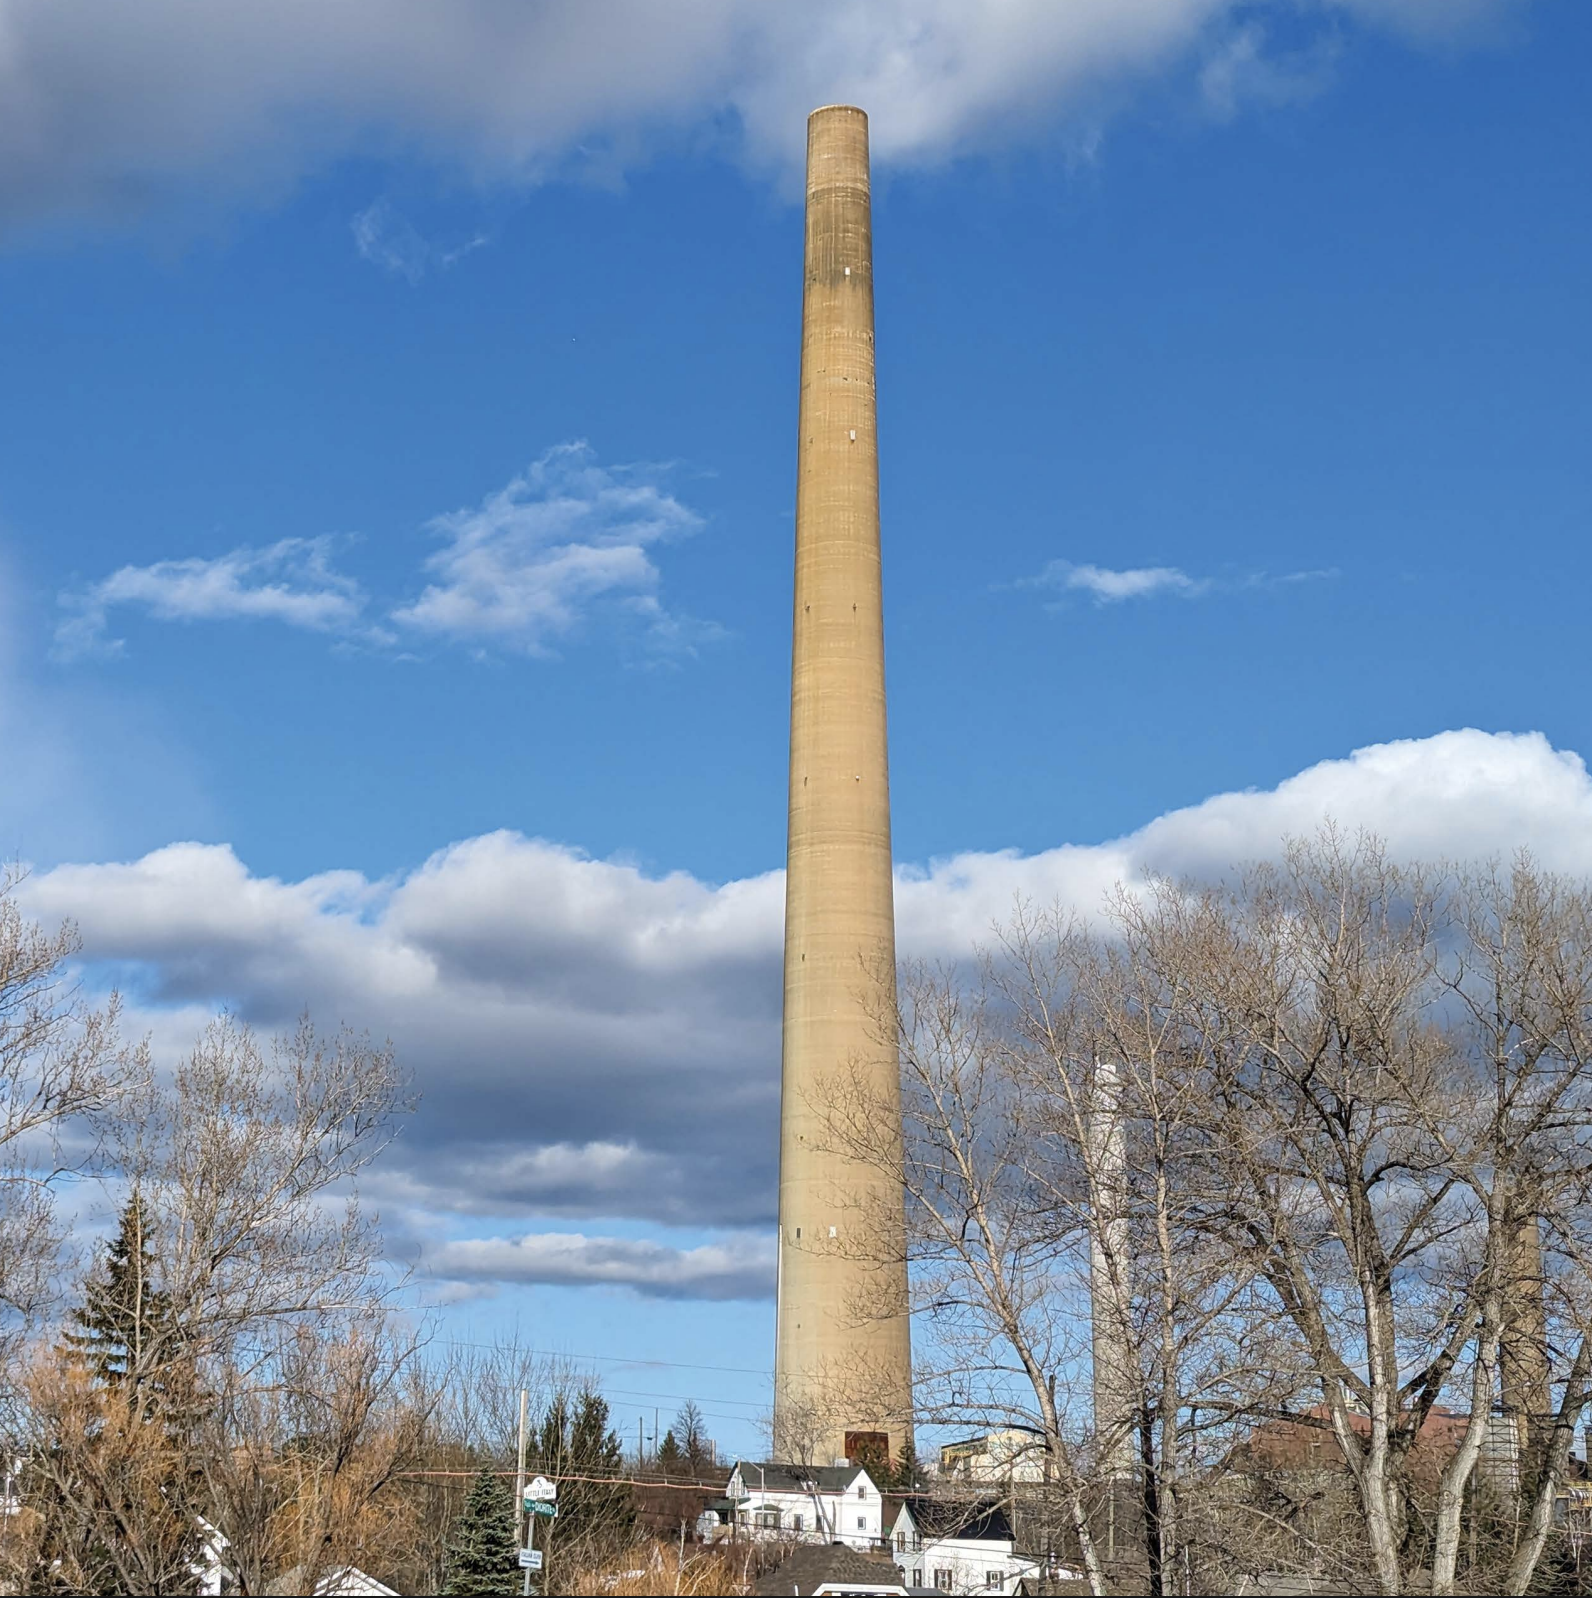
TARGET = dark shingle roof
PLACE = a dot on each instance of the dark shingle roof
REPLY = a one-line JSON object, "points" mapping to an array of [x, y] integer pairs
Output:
{"points": [[757, 1476], [958, 1517], [814, 1564]]}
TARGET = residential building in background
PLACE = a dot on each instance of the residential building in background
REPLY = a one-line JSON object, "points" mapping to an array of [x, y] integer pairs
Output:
{"points": [[1014, 1453]]}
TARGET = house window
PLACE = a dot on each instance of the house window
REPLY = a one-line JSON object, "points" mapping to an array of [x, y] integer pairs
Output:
{"points": [[796, 1523], [945, 1580], [862, 1489], [768, 1519], [992, 1578], [862, 1522]]}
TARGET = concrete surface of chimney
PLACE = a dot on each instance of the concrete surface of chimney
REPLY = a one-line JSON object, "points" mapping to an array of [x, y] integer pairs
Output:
{"points": [[843, 1351]]}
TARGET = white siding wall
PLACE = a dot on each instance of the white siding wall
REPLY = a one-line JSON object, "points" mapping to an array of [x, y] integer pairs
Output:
{"points": [[854, 1517], [971, 1564]]}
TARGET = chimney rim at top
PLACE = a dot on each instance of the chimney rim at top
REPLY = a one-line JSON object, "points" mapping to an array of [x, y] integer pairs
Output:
{"points": [[838, 105]]}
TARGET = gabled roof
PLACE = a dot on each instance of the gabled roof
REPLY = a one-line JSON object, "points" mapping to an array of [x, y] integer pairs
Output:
{"points": [[346, 1581], [813, 1564], [757, 1476], [973, 1519]]}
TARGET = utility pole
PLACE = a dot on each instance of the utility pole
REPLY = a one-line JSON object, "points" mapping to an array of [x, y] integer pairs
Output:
{"points": [[523, 1523]]}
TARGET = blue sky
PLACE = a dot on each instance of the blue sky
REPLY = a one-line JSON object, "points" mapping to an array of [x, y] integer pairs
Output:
{"points": [[396, 465]]}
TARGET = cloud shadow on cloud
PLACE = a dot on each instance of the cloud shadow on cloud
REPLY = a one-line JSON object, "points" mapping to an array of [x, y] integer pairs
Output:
{"points": [[640, 1014], [167, 100]]}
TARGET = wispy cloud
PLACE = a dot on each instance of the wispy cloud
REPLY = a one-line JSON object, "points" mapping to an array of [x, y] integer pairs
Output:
{"points": [[535, 559], [1243, 71], [1110, 586], [566, 541], [291, 581], [388, 239]]}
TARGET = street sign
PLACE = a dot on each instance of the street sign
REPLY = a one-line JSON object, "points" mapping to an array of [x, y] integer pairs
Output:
{"points": [[541, 1487], [546, 1511], [530, 1559]]}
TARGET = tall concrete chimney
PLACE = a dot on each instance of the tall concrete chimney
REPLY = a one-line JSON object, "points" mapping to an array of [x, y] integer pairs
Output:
{"points": [[843, 1361]]}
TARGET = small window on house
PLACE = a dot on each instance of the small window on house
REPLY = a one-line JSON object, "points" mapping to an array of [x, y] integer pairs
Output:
{"points": [[992, 1578], [862, 1489], [862, 1522], [796, 1523], [945, 1580]]}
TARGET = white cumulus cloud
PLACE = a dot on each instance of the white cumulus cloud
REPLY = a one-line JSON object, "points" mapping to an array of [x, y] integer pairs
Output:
{"points": [[167, 96], [640, 1013], [738, 1267]]}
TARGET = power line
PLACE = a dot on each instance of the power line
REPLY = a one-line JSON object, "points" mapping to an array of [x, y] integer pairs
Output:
{"points": [[611, 1359], [686, 1398], [560, 1476]]}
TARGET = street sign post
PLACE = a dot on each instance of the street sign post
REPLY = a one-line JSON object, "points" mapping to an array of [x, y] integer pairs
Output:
{"points": [[541, 1499]]}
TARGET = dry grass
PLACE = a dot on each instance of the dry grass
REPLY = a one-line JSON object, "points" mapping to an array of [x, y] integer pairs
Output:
{"points": [[657, 1568]]}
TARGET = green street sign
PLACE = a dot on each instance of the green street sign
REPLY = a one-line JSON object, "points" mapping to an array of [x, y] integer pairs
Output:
{"points": [[536, 1507]]}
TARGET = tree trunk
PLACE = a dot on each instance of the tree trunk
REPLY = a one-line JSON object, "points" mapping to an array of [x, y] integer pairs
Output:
{"points": [[1457, 1473]]}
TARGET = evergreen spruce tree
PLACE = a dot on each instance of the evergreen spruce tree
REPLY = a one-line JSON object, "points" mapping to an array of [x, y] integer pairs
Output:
{"points": [[481, 1554], [907, 1477], [550, 1452], [669, 1455], [579, 1443], [126, 1328], [126, 1340], [594, 1450]]}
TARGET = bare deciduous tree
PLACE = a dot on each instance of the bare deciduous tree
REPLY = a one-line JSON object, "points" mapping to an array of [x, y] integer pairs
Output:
{"points": [[276, 1397], [1311, 1148], [62, 1067]]}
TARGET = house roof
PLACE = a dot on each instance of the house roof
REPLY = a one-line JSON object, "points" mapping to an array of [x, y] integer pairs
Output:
{"points": [[812, 1565], [973, 1519], [347, 1581], [761, 1477]]}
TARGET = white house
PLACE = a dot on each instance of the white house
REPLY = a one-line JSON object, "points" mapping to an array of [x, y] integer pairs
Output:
{"points": [[212, 1578], [346, 1581], [809, 1503], [958, 1547], [209, 1570]]}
